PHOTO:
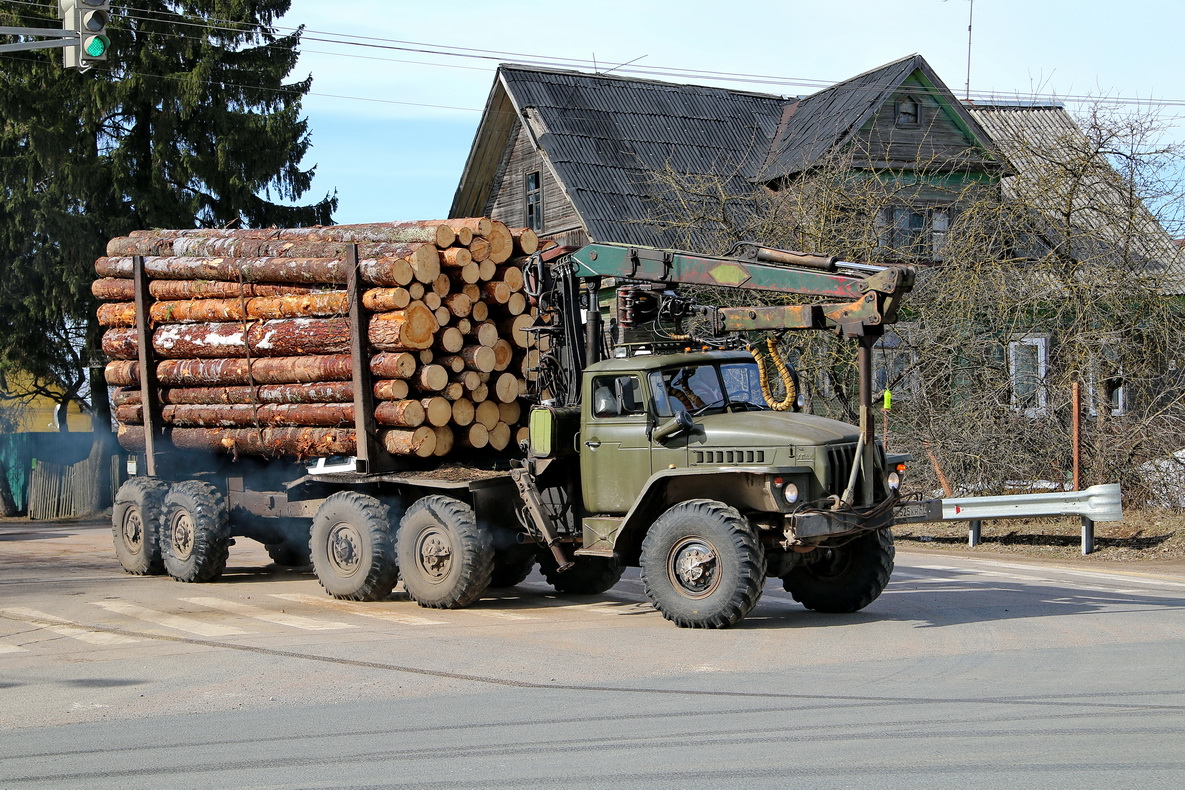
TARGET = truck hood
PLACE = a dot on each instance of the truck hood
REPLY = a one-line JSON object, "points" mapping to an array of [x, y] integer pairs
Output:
{"points": [[769, 429]]}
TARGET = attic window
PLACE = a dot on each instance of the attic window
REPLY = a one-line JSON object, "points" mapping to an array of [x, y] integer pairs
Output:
{"points": [[533, 194], [908, 112]]}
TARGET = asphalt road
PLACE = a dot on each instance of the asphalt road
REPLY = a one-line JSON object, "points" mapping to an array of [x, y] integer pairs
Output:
{"points": [[965, 673]]}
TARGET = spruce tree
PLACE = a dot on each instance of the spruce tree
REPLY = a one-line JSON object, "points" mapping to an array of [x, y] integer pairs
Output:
{"points": [[189, 123]]}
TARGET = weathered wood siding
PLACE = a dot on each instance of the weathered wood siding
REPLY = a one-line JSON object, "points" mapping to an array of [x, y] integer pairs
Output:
{"points": [[936, 143], [507, 201]]}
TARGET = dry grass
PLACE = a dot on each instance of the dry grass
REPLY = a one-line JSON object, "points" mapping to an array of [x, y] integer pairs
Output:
{"points": [[1151, 536]]}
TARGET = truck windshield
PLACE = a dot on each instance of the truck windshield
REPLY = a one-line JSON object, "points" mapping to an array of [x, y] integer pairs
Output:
{"points": [[700, 388]]}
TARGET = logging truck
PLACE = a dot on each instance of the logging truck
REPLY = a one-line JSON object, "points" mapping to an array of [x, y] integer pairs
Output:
{"points": [[653, 431]]}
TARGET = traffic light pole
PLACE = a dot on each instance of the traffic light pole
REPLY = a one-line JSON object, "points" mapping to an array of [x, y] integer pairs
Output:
{"points": [[66, 38]]}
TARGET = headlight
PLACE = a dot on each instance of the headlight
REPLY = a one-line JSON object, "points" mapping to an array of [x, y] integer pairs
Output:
{"points": [[894, 481], [790, 492]]}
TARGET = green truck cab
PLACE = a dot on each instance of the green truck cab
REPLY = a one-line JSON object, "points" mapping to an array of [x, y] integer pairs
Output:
{"points": [[684, 470]]}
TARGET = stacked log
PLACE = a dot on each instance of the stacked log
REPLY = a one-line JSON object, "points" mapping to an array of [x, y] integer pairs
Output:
{"points": [[250, 333]]}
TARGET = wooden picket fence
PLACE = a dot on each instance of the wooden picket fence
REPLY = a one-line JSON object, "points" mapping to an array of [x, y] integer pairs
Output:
{"points": [[66, 491]]}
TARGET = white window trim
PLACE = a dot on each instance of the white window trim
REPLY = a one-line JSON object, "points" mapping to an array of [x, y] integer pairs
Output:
{"points": [[1041, 343]]}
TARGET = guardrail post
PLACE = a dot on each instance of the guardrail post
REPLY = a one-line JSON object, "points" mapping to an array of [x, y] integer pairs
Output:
{"points": [[973, 532], [1087, 536]]}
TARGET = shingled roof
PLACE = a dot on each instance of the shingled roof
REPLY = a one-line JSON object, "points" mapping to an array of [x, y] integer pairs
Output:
{"points": [[606, 137]]}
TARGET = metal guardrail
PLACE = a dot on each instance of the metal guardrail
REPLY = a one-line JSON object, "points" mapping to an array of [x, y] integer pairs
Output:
{"points": [[1097, 503]]}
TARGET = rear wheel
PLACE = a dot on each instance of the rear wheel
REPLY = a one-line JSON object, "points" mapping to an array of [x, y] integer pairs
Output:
{"points": [[135, 525], [512, 565], [587, 576], [844, 578], [445, 558], [353, 548], [195, 540], [702, 565]]}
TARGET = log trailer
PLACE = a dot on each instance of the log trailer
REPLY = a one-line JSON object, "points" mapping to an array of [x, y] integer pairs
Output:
{"points": [[641, 452]]}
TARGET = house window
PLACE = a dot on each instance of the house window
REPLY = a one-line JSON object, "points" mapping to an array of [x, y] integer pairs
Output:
{"points": [[909, 233], [1107, 383], [534, 201], [1028, 361], [908, 112]]}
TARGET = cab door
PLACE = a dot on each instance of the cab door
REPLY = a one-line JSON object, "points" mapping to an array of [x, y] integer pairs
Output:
{"points": [[614, 450]]}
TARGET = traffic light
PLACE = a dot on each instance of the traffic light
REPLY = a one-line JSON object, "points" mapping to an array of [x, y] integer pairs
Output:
{"points": [[89, 19]]}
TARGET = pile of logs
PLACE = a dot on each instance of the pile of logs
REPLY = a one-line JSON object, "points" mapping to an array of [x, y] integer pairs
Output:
{"points": [[251, 336]]}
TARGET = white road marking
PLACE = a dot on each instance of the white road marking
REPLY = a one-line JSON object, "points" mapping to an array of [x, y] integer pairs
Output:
{"points": [[269, 616], [67, 627], [499, 615], [12, 649], [360, 609], [189, 625], [609, 607]]}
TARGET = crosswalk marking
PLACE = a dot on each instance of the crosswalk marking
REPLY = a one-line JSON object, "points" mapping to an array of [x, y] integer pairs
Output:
{"points": [[269, 616], [500, 615], [360, 609], [67, 627], [190, 625]]}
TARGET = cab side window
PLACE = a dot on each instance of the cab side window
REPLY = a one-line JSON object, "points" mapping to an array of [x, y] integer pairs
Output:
{"points": [[616, 396]]}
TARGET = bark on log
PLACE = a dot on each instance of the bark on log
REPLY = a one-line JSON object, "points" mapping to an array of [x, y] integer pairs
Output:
{"points": [[379, 300], [526, 241], [420, 442], [400, 413], [395, 365], [479, 358], [271, 442], [321, 392], [389, 270], [391, 389]]}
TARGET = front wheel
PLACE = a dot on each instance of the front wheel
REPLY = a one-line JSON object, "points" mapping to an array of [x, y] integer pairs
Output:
{"points": [[352, 548], [703, 565], [195, 539], [445, 558], [843, 579]]}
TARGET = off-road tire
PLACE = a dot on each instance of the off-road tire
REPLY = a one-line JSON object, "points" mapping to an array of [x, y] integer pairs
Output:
{"points": [[195, 533], [512, 565], [844, 579], [135, 525], [352, 547], [703, 565], [445, 558], [587, 576], [289, 554]]}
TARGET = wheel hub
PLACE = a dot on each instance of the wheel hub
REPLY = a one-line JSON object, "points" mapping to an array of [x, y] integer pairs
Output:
{"points": [[693, 567], [345, 548], [133, 530], [182, 535], [435, 554]]}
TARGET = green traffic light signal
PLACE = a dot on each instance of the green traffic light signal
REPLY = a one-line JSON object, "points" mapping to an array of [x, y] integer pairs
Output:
{"points": [[95, 46]]}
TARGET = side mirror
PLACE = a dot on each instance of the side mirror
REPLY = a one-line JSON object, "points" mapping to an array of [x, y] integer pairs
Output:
{"points": [[680, 423]]}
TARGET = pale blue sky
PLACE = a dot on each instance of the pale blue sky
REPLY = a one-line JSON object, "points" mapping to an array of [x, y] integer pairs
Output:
{"points": [[392, 127]]}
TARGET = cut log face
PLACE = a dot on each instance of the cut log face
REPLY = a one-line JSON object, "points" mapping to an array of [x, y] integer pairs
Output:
{"points": [[250, 328]]}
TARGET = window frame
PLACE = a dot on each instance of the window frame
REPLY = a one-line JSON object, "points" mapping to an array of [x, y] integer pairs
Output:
{"points": [[1040, 389], [533, 200]]}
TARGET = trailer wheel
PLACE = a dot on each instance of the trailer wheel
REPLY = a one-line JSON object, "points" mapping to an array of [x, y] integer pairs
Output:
{"points": [[353, 548], [135, 525], [511, 565], [845, 578], [195, 536], [445, 558], [289, 554], [702, 565], [587, 576]]}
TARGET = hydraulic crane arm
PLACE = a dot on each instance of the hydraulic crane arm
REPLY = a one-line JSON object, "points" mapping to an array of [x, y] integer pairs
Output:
{"points": [[865, 300]]}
